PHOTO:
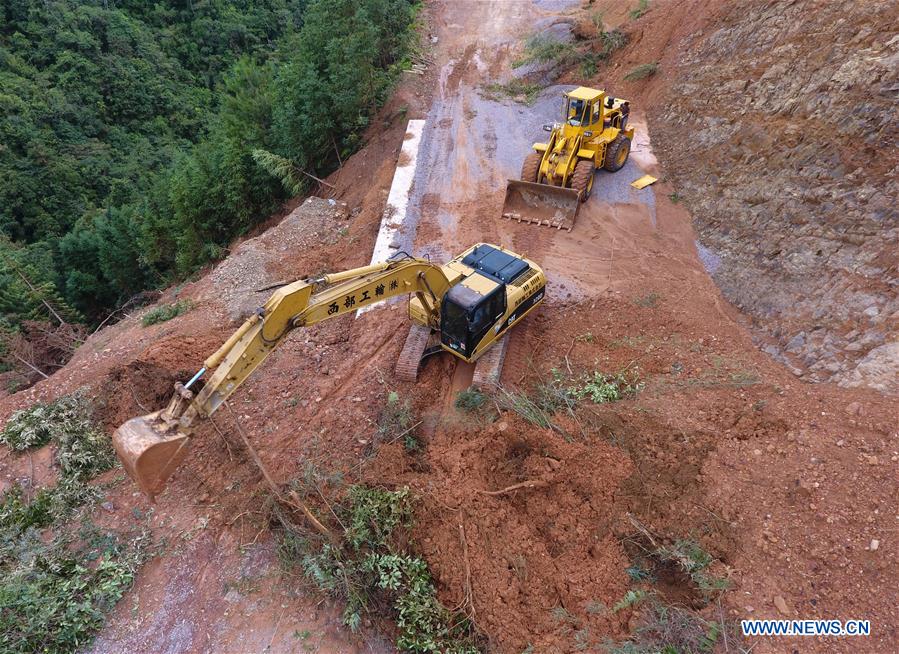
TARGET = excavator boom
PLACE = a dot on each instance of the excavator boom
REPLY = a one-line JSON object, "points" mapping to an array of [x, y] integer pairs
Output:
{"points": [[152, 446]]}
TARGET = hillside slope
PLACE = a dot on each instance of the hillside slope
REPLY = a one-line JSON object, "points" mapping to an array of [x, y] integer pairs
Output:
{"points": [[779, 132]]}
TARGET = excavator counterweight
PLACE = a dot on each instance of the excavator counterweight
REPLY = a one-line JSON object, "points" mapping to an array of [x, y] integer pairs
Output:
{"points": [[469, 303]]}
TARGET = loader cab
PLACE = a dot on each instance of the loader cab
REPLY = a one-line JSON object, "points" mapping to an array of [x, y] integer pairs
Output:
{"points": [[477, 305], [583, 107]]}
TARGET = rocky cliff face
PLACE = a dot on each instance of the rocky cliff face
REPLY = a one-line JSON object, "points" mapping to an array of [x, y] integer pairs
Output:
{"points": [[780, 133]]}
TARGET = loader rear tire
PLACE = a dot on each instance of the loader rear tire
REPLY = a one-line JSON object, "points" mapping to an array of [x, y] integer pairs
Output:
{"points": [[530, 169], [582, 178], [617, 153]]}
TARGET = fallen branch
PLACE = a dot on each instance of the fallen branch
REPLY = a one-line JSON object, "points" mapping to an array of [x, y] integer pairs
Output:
{"points": [[296, 502], [40, 372], [468, 597], [643, 530], [530, 483], [299, 504], [317, 179]]}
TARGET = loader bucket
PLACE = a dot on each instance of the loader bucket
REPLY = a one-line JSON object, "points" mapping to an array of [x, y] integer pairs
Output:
{"points": [[150, 450], [541, 204]]}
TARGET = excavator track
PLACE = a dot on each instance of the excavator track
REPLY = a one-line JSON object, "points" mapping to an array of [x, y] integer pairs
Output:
{"points": [[489, 367], [411, 355]]}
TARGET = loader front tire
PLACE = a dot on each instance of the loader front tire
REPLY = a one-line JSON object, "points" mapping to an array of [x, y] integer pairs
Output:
{"points": [[582, 178], [617, 153], [530, 169]]}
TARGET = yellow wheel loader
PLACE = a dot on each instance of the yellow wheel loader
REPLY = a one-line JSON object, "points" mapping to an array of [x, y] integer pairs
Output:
{"points": [[558, 175], [468, 304]]}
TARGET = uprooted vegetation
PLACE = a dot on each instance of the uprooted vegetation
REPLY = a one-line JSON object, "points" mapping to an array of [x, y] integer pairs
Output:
{"points": [[372, 567], [675, 586], [60, 572], [642, 72], [398, 421], [516, 89], [82, 448], [587, 54], [165, 312], [561, 392]]}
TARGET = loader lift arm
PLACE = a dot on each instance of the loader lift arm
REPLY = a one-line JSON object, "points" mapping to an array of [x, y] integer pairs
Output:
{"points": [[151, 447]]}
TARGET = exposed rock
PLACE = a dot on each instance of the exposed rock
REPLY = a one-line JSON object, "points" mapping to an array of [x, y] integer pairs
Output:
{"points": [[244, 280], [878, 370], [784, 151]]}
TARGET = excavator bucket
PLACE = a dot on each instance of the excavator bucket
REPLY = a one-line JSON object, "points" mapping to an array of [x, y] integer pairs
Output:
{"points": [[541, 204], [150, 450]]}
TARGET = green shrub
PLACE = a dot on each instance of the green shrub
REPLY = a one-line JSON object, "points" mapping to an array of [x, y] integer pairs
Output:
{"points": [[371, 561], [642, 72], [82, 448], [611, 41], [165, 312], [541, 48], [641, 8], [601, 388], [470, 400]]}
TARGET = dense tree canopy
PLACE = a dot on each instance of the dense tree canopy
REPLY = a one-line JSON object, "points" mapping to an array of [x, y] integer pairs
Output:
{"points": [[127, 131]]}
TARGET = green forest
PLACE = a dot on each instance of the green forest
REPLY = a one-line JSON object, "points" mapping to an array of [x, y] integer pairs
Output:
{"points": [[138, 139]]}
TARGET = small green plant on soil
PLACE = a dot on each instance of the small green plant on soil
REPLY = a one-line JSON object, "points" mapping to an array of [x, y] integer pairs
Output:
{"points": [[515, 89], [370, 566], [58, 580], [471, 400], [670, 630], [631, 598], [695, 561], [639, 574], [641, 8], [648, 301], [166, 312], [397, 421], [642, 72], [600, 387]]}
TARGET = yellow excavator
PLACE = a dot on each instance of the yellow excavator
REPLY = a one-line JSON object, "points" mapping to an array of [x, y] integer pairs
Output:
{"points": [[467, 304], [558, 176]]}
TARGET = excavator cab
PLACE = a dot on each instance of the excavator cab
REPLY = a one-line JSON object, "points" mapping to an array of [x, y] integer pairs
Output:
{"points": [[474, 313], [468, 312]]}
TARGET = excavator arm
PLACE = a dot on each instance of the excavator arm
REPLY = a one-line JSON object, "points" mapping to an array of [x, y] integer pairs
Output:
{"points": [[151, 447]]}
